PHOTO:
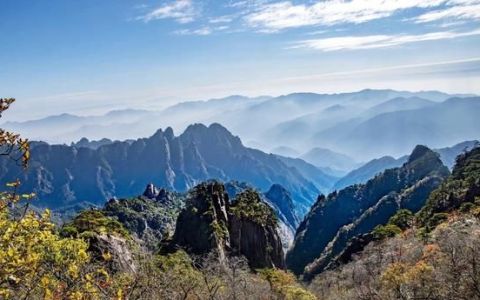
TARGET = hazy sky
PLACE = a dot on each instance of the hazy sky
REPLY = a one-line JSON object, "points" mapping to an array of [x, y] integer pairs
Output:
{"points": [[91, 56]]}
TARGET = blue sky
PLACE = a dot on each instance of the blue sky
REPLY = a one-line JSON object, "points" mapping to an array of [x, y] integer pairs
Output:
{"points": [[90, 56]]}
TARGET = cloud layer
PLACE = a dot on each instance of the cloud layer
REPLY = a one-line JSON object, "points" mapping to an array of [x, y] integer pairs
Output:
{"points": [[317, 17], [283, 15], [378, 41]]}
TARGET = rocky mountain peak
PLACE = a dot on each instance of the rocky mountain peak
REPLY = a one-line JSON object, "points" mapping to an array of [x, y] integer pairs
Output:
{"points": [[151, 191], [357, 209], [247, 227], [419, 152], [169, 133]]}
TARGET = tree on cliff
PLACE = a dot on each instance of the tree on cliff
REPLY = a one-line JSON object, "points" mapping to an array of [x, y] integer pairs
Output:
{"points": [[35, 262]]}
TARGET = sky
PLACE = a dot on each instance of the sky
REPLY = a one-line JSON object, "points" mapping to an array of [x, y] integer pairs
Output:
{"points": [[89, 57]]}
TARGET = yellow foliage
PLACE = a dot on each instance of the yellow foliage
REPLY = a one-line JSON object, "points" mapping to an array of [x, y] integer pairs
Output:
{"points": [[285, 284], [394, 275], [35, 260]]}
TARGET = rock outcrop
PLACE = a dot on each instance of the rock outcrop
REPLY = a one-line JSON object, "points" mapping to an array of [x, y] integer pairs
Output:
{"points": [[150, 217], [279, 199], [115, 246], [282, 199], [245, 227]]}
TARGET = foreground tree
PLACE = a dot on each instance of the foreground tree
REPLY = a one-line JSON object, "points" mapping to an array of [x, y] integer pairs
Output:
{"points": [[35, 262]]}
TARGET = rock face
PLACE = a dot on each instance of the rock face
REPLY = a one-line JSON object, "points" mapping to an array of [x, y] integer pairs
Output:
{"points": [[150, 217], [202, 226], [64, 175], [279, 199], [261, 245], [282, 199], [357, 209], [122, 258], [247, 227], [253, 231], [151, 192]]}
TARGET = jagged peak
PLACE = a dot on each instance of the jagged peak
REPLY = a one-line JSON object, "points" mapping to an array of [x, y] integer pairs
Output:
{"points": [[218, 127], [151, 191], [214, 131], [199, 127], [158, 133], [418, 152], [194, 128], [169, 133]]}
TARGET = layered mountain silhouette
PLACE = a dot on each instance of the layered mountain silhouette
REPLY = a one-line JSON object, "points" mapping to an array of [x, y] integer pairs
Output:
{"points": [[394, 133], [357, 209], [375, 166], [321, 157], [322, 178], [287, 124], [65, 175]]}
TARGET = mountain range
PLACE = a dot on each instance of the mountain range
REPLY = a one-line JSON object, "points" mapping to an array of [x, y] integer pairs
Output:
{"points": [[362, 125], [357, 209], [375, 166], [64, 175]]}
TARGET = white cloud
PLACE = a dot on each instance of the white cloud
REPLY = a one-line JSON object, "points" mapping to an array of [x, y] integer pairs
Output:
{"points": [[469, 11], [377, 41], [199, 31], [181, 11], [282, 15]]}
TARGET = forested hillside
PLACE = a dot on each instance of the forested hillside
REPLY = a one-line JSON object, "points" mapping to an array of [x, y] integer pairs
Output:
{"points": [[430, 255]]}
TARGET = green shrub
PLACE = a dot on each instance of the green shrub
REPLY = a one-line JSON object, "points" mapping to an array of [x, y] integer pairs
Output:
{"points": [[436, 220], [466, 207], [93, 221], [248, 205], [402, 219], [383, 231]]}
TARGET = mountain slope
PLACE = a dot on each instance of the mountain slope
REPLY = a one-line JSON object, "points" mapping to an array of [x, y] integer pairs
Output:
{"points": [[394, 133], [62, 175], [398, 104], [434, 257], [371, 168], [341, 208], [448, 155], [368, 171], [322, 157], [322, 180]]}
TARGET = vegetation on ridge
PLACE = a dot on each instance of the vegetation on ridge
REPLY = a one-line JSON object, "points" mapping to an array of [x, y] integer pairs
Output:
{"points": [[248, 205], [432, 255]]}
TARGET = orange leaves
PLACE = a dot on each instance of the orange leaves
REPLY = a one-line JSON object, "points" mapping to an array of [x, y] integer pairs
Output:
{"points": [[430, 251]]}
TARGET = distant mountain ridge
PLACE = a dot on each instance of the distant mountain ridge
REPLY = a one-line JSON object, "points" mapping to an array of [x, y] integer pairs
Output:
{"points": [[295, 122], [62, 175], [357, 209], [394, 133], [375, 166], [322, 157]]}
